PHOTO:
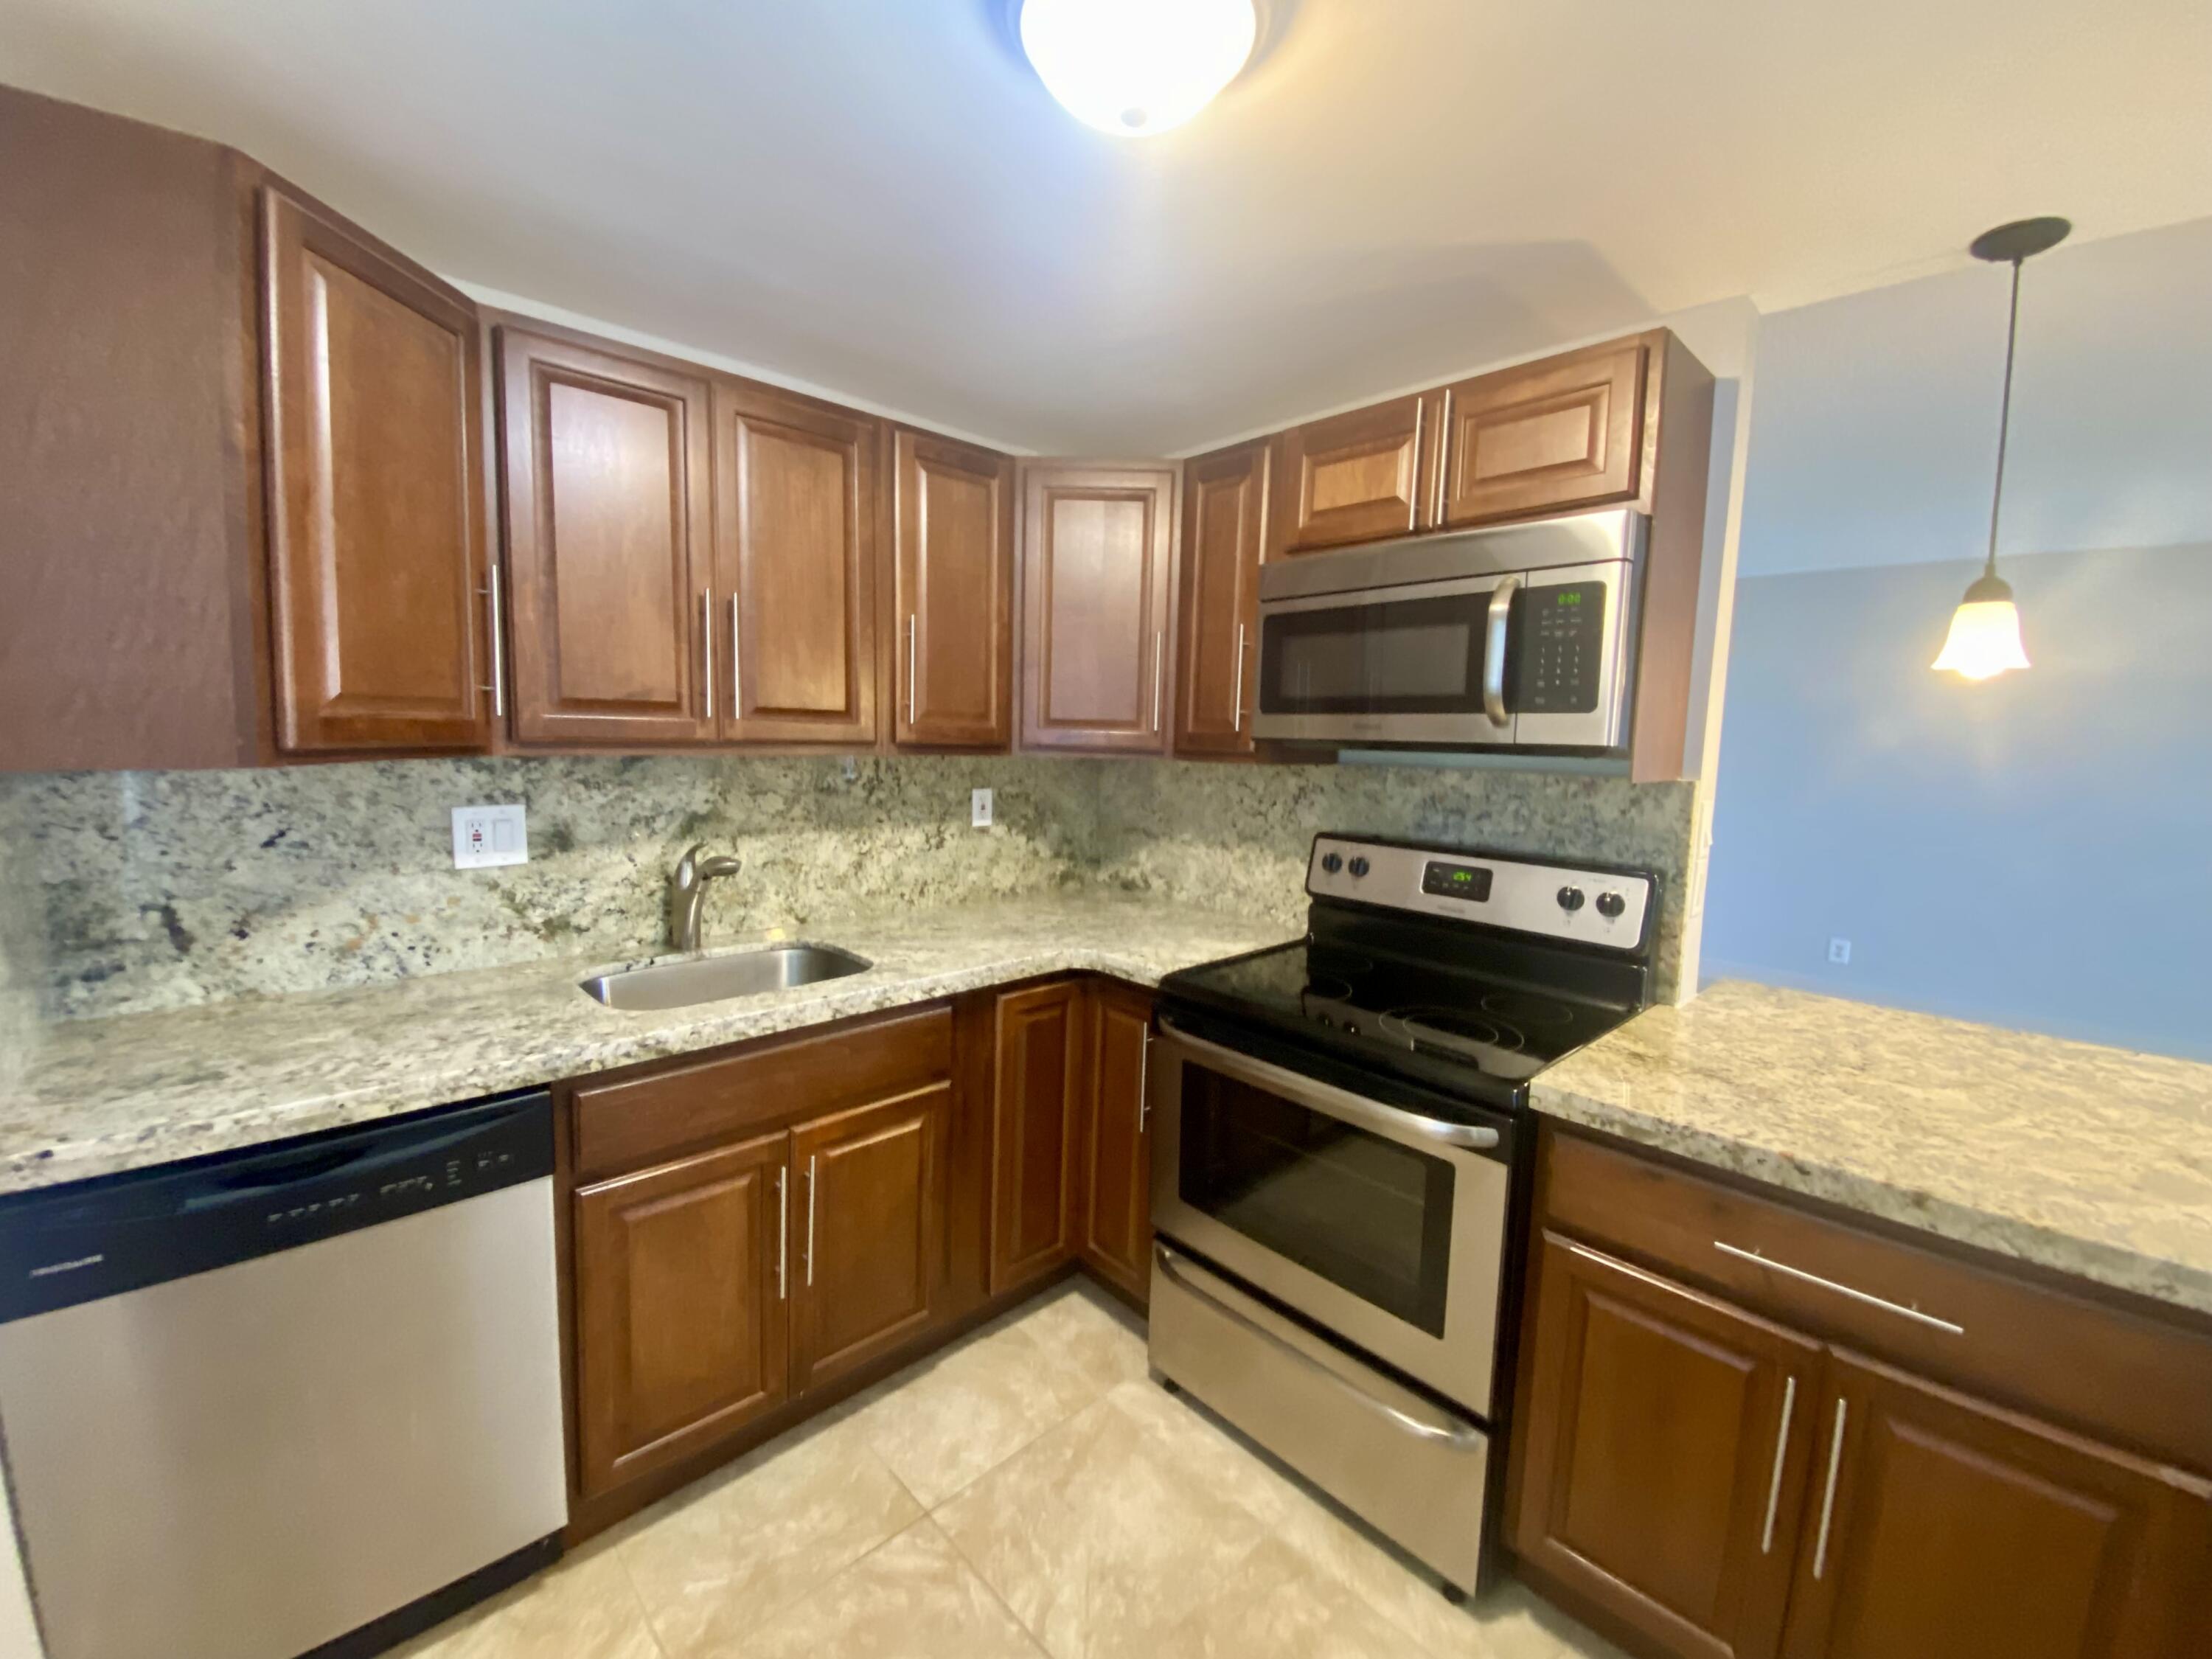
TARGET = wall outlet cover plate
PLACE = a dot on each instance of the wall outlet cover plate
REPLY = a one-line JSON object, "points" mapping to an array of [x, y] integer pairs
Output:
{"points": [[979, 809], [487, 835]]}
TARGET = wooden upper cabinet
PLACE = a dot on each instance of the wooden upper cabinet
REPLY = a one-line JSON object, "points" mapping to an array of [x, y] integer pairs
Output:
{"points": [[605, 476], [868, 1222], [952, 602], [1958, 1528], [795, 558], [1544, 437], [1035, 1100], [1098, 545], [375, 518], [1115, 1205], [1359, 476], [681, 1328], [1665, 1443], [1218, 620]]}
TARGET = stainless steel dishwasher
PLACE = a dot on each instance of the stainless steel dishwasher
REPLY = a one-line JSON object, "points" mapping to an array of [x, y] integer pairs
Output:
{"points": [[304, 1399]]}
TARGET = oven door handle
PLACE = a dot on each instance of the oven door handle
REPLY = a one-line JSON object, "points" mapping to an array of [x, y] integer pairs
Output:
{"points": [[1390, 1122], [1171, 1264], [1495, 634]]}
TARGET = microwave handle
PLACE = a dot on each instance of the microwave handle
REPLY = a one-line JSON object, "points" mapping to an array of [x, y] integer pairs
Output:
{"points": [[1495, 636]]}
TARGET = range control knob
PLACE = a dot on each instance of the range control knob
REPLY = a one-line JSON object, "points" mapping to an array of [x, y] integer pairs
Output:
{"points": [[1610, 905], [1358, 867], [1571, 898], [1332, 862]]}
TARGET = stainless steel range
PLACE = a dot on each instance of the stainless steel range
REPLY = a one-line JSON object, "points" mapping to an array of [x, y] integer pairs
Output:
{"points": [[1342, 1166]]}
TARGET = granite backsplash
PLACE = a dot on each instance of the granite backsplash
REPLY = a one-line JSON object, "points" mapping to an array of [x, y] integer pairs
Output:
{"points": [[124, 892]]}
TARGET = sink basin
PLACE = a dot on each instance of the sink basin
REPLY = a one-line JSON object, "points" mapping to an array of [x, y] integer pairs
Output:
{"points": [[713, 979]]}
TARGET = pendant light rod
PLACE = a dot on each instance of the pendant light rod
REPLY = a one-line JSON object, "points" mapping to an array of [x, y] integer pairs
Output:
{"points": [[2004, 418], [2014, 244]]}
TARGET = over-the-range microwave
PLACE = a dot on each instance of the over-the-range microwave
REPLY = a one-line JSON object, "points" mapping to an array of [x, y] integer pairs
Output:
{"points": [[1518, 637]]}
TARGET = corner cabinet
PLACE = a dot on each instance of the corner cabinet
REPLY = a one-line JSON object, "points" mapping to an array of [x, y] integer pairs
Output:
{"points": [[1711, 1479], [610, 543], [1224, 509], [1097, 554], [952, 620], [1037, 1098], [1114, 1204]]}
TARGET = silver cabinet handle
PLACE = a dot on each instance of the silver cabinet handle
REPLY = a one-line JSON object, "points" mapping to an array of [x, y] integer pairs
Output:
{"points": [[1390, 1122], [1802, 1277], [1781, 1450], [737, 687], [1443, 462], [809, 1219], [1159, 666], [1144, 1080], [1828, 1499], [1237, 725], [1498, 629], [1413, 495], [782, 1235], [707, 627], [913, 658], [1174, 1267], [498, 686]]}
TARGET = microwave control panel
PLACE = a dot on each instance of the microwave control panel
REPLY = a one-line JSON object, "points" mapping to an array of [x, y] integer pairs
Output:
{"points": [[1563, 644]]}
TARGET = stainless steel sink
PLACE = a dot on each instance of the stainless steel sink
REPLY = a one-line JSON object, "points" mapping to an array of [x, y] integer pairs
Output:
{"points": [[713, 979]]}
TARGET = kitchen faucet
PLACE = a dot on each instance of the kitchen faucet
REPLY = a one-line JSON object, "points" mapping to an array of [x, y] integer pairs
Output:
{"points": [[687, 887]]}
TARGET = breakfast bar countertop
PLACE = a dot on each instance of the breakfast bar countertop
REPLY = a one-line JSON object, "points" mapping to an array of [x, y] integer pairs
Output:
{"points": [[100, 1095], [2092, 1161]]}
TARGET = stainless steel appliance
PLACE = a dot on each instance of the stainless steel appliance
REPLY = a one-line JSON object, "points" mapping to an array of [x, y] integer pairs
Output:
{"points": [[1341, 1165], [1522, 636], [303, 1398]]}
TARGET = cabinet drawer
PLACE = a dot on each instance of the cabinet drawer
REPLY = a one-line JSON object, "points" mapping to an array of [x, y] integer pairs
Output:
{"points": [[637, 1121], [2129, 1378]]}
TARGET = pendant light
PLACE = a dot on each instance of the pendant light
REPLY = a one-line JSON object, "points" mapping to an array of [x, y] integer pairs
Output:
{"points": [[1984, 638], [1135, 67]]}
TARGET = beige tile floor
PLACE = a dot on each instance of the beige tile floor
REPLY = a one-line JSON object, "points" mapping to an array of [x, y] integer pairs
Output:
{"points": [[1025, 1494]]}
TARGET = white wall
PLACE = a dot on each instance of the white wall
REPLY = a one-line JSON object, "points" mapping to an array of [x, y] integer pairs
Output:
{"points": [[19, 1633]]}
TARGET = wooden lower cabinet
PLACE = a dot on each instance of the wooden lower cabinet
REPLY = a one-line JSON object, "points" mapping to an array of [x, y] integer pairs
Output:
{"points": [[1707, 1482], [1960, 1529], [1036, 1097], [868, 1240], [1666, 1440], [1116, 1201], [681, 1335]]}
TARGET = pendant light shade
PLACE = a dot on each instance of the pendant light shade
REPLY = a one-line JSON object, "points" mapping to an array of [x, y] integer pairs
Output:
{"points": [[1984, 638]]}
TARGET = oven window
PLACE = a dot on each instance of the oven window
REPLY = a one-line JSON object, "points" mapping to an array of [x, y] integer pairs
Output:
{"points": [[1371, 1216], [1407, 657]]}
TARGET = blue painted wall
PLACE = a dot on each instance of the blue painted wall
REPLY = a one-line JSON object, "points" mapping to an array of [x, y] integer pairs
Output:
{"points": [[2035, 851]]}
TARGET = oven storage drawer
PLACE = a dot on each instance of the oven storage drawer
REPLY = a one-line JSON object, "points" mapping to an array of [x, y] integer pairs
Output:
{"points": [[1412, 1469]]}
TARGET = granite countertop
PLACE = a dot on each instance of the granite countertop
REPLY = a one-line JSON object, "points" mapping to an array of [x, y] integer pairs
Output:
{"points": [[95, 1097], [2092, 1161]]}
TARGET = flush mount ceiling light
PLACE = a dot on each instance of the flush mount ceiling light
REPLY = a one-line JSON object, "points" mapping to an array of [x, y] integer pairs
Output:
{"points": [[1984, 639], [1134, 68]]}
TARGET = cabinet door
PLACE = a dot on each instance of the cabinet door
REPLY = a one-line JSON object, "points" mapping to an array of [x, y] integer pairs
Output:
{"points": [[681, 1330], [1944, 1525], [795, 515], [610, 552], [1666, 1439], [868, 1238], [1035, 1096], [1218, 665], [1096, 544], [1116, 1204], [1546, 437], [375, 508], [1360, 476], [953, 599]]}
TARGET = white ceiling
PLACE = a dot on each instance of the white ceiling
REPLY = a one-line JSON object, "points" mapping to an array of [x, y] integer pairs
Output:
{"points": [[877, 196]]}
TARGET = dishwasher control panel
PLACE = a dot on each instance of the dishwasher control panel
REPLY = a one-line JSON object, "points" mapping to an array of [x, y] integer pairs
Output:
{"points": [[100, 1237]]}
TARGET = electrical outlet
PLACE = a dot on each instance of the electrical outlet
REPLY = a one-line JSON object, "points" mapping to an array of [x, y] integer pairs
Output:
{"points": [[1840, 952], [979, 809], [488, 836]]}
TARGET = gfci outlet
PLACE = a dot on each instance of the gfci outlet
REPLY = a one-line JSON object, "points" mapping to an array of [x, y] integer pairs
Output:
{"points": [[979, 809], [486, 835], [1840, 952]]}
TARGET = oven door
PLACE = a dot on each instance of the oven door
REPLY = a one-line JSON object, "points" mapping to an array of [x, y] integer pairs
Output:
{"points": [[1424, 662], [1382, 1226]]}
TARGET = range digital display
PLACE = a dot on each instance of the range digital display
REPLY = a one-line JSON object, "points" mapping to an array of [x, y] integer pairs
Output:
{"points": [[1470, 882]]}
